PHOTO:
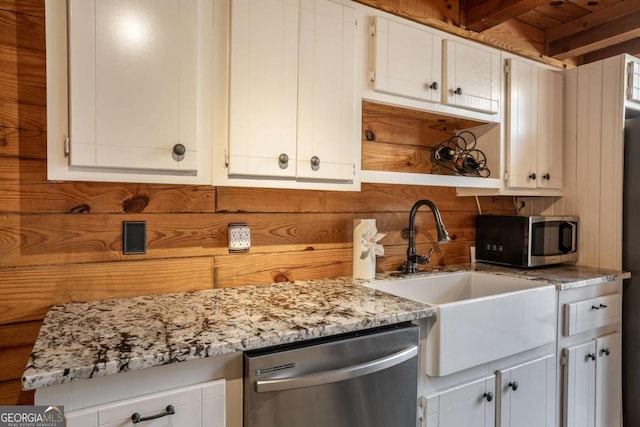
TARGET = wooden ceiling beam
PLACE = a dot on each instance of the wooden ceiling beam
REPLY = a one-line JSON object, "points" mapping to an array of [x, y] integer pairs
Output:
{"points": [[591, 20], [482, 15], [603, 35], [631, 47]]}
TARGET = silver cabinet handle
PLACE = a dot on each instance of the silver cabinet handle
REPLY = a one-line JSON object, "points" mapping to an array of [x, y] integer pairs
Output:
{"points": [[336, 375]]}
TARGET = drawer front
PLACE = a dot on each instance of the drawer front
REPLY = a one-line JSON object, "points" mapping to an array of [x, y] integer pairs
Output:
{"points": [[193, 406], [149, 405], [185, 415], [592, 313]]}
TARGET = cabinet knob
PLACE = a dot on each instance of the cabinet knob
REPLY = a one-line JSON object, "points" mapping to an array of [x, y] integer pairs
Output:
{"points": [[514, 385], [606, 351], [458, 91], [591, 356], [595, 307], [546, 176], [283, 161], [433, 86], [603, 306], [315, 163], [178, 151], [533, 176], [488, 396]]}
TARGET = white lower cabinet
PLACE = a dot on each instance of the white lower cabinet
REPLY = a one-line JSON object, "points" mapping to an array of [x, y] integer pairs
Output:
{"points": [[469, 405], [590, 350], [201, 405], [526, 394], [592, 382]]}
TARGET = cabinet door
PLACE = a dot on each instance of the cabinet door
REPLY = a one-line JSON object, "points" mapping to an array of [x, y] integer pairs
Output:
{"points": [[470, 405], [406, 61], [522, 123], [550, 127], [534, 126], [633, 88], [472, 76], [579, 390], [608, 380], [326, 137], [137, 85], [527, 394], [263, 88], [81, 418]]}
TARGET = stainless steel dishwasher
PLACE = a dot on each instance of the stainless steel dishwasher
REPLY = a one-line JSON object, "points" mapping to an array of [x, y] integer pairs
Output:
{"points": [[367, 378]]}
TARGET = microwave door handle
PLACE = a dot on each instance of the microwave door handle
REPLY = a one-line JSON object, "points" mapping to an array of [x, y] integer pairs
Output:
{"points": [[572, 248], [337, 375]]}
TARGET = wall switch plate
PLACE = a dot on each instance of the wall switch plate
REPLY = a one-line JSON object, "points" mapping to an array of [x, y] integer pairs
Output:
{"points": [[239, 237], [134, 240]]}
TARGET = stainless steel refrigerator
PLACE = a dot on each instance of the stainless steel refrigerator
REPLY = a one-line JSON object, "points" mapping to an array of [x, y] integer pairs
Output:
{"points": [[631, 262]]}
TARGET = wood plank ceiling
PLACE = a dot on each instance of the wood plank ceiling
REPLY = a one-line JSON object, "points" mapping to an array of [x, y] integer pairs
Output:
{"points": [[577, 31]]}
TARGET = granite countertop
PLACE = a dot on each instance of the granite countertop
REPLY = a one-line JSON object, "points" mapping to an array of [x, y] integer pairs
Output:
{"points": [[91, 339], [563, 277], [84, 340]]}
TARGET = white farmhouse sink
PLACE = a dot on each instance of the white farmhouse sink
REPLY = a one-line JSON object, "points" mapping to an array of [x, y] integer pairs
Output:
{"points": [[480, 317]]}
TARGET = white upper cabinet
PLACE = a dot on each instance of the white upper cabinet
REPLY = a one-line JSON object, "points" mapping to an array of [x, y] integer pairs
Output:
{"points": [[294, 109], [264, 75], [633, 83], [633, 91], [471, 76], [534, 130], [138, 81], [411, 65], [407, 61], [327, 119], [551, 129]]}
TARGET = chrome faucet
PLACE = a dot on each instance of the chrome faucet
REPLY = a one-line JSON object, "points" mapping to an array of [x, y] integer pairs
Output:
{"points": [[411, 264]]}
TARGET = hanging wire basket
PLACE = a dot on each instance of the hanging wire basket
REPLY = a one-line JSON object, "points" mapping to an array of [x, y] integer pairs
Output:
{"points": [[459, 155]]}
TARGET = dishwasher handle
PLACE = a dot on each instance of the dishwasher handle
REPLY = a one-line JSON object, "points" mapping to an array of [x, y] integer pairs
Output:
{"points": [[336, 375]]}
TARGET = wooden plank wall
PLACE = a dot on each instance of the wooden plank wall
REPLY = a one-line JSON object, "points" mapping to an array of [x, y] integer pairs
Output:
{"points": [[594, 151], [61, 241]]}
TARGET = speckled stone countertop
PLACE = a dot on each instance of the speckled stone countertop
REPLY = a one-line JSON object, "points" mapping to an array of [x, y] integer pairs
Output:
{"points": [[85, 340], [564, 277]]}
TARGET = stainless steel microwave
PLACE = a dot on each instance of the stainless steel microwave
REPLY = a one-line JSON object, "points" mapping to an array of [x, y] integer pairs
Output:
{"points": [[526, 241]]}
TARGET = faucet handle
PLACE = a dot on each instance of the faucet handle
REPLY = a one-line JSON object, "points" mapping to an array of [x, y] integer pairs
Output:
{"points": [[422, 259], [426, 259]]}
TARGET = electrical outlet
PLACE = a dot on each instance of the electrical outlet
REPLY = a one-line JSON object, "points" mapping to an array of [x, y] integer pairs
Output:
{"points": [[239, 237]]}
